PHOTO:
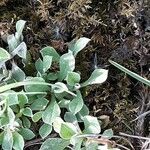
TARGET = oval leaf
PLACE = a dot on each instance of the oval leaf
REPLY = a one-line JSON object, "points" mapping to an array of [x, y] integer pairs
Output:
{"points": [[4, 55], [17, 73], [50, 51], [91, 125], [19, 26], [51, 112], [18, 141], [7, 143], [67, 130], [72, 78], [76, 104], [45, 130], [66, 63], [77, 46], [55, 144], [98, 76], [26, 133]]}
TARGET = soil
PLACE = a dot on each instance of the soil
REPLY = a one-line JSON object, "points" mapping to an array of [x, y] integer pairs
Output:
{"points": [[119, 30]]}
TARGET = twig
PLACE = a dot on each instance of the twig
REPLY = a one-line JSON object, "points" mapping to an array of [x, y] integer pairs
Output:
{"points": [[140, 116], [134, 136]]}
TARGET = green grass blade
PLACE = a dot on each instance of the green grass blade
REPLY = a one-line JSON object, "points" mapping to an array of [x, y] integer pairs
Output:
{"points": [[132, 74]]}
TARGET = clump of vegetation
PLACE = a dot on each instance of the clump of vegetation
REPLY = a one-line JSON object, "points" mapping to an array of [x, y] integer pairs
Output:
{"points": [[52, 98]]}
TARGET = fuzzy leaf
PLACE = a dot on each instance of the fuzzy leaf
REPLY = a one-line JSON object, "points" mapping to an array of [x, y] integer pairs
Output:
{"points": [[50, 51], [70, 117], [26, 133], [26, 122], [52, 76], [38, 87], [27, 112], [108, 133], [12, 42], [55, 144], [72, 78], [18, 141], [19, 26], [66, 63], [59, 87], [45, 130], [10, 115], [83, 112], [51, 112], [91, 125], [78, 45], [98, 76], [17, 73], [37, 116], [12, 98], [20, 50], [76, 104], [39, 104], [23, 99], [47, 61], [67, 130], [7, 143], [39, 65], [4, 55]]}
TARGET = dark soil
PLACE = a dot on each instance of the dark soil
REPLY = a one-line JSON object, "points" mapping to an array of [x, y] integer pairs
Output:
{"points": [[118, 29]]}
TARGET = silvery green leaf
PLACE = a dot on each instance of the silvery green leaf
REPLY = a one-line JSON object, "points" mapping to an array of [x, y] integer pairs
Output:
{"points": [[98, 76], [51, 112], [7, 143], [17, 73], [83, 112], [12, 98], [70, 117], [52, 76], [11, 115], [67, 130], [92, 146], [45, 130], [67, 64], [55, 144], [26, 122], [20, 26], [23, 99], [39, 104], [72, 78], [4, 55], [50, 51], [108, 134], [39, 65], [76, 142], [18, 141], [26, 133], [91, 125], [37, 116], [20, 50], [59, 87], [12, 42], [57, 124], [27, 112], [38, 87], [77, 46], [47, 61], [76, 104], [64, 103]]}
